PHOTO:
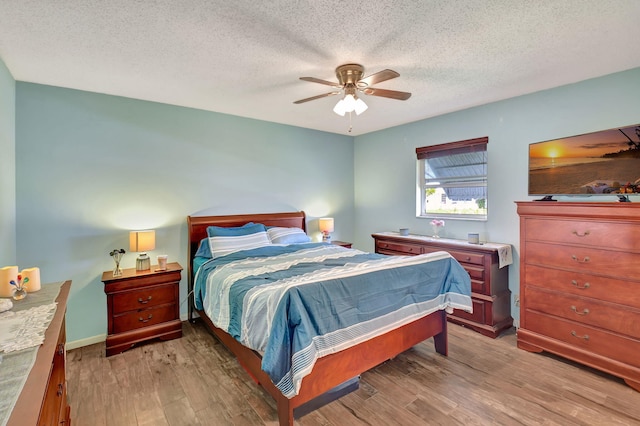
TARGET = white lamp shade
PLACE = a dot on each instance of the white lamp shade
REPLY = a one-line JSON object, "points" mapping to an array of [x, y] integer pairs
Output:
{"points": [[325, 224], [339, 108], [349, 103], [360, 106], [141, 241]]}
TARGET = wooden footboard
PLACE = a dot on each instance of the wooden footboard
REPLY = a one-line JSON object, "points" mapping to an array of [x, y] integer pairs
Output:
{"points": [[332, 370]]}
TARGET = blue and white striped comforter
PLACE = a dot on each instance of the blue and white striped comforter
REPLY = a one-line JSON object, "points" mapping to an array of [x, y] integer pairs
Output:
{"points": [[299, 302]]}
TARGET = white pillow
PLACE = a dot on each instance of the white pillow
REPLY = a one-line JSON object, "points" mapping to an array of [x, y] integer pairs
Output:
{"points": [[279, 235], [223, 245]]}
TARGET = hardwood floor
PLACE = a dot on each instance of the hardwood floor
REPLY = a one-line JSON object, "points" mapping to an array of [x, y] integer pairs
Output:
{"points": [[196, 381]]}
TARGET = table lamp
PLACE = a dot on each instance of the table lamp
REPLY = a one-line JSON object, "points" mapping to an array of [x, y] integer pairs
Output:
{"points": [[326, 226], [142, 241]]}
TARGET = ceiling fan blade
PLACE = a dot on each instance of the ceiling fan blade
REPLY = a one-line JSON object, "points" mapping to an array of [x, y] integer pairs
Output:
{"points": [[313, 98], [317, 80], [393, 94], [378, 77]]}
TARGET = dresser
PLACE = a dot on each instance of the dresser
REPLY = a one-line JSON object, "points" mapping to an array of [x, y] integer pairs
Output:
{"points": [[580, 284], [490, 292], [43, 399], [142, 305]]}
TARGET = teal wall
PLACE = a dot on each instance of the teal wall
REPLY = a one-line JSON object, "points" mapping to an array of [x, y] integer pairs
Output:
{"points": [[385, 161], [90, 167], [7, 167]]}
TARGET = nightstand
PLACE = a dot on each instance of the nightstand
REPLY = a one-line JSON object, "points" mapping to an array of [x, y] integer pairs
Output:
{"points": [[142, 305], [341, 243]]}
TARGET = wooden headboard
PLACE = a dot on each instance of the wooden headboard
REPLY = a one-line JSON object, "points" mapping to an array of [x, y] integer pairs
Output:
{"points": [[197, 230]]}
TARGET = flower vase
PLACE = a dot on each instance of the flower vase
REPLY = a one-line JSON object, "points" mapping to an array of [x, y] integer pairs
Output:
{"points": [[117, 271], [436, 231], [117, 257]]}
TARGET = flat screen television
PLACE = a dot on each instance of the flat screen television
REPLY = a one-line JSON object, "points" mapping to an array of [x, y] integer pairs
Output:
{"points": [[599, 163]]}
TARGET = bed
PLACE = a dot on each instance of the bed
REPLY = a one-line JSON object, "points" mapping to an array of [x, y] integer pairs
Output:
{"points": [[329, 369]]}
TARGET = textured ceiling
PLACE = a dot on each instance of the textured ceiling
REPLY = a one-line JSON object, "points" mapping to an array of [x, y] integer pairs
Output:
{"points": [[244, 57]]}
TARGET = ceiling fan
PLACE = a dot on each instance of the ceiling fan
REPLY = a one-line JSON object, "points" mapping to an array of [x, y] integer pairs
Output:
{"points": [[350, 82]]}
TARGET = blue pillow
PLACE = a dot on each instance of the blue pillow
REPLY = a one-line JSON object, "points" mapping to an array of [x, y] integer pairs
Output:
{"points": [[203, 249], [279, 235], [246, 229]]}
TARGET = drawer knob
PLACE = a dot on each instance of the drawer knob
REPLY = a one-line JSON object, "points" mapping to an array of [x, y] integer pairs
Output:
{"points": [[60, 389], [576, 285], [147, 319], [585, 260], [577, 234], [575, 310], [61, 349], [145, 301], [574, 334]]}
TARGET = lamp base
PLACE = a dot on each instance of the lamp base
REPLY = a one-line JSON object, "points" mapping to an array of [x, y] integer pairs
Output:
{"points": [[326, 238], [143, 262]]}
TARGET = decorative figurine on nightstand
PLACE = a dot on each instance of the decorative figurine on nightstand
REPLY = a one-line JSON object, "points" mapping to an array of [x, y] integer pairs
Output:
{"points": [[20, 290], [117, 257]]}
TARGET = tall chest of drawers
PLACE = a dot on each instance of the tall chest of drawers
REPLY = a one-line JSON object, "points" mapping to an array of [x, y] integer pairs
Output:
{"points": [[580, 284], [490, 293]]}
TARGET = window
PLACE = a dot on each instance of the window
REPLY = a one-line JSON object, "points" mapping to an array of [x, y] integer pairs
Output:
{"points": [[452, 180]]}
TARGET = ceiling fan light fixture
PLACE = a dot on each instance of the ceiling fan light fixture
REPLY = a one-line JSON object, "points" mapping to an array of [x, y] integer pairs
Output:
{"points": [[360, 106], [349, 103], [340, 108]]}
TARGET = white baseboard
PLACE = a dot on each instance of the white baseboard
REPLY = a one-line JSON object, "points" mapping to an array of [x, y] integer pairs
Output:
{"points": [[86, 342]]}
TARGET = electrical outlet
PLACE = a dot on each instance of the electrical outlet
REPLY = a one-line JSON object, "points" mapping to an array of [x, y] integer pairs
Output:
{"points": [[516, 299]]}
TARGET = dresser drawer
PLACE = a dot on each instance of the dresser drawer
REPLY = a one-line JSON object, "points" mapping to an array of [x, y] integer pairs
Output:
{"points": [[144, 298], [478, 314], [585, 310], [392, 247], [583, 259], [139, 319], [460, 256], [623, 236], [607, 344], [613, 290]]}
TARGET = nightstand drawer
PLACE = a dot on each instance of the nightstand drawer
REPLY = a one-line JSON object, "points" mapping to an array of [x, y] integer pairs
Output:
{"points": [[143, 299], [134, 320]]}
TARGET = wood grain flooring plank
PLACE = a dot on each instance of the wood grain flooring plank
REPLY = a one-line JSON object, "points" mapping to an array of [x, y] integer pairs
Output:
{"points": [[180, 413]]}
